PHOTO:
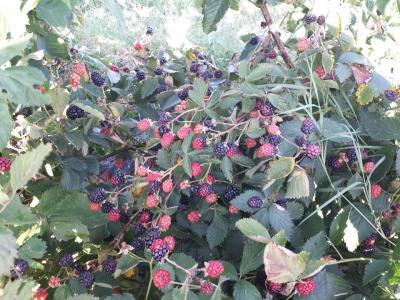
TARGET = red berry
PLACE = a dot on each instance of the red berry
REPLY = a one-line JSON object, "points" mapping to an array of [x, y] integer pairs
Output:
{"points": [[170, 240], [164, 222], [156, 133], [210, 179], [196, 168], [233, 210], [199, 143], [272, 54], [167, 139], [144, 217], [5, 164], [265, 150], [138, 46], [369, 167], [302, 44], [214, 268], [79, 69], [206, 288], [54, 282], [161, 278], [376, 190], [273, 129], [95, 206], [305, 287], [114, 69], [114, 215], [250, 143], [194, 216], [41, 294], [74, 80], [144, 125], [153, 176], [152, 201], [119, 163], [211, 198], [198, 129], [320, 71], [156, 244], [167, 185], [183, 132], [141, 171], [184, 185], [273, 287]]}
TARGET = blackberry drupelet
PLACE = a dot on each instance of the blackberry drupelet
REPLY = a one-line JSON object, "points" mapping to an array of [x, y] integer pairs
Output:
{"points": [[255, 202], [97, 195], [86, 279], [74, 112], [151, 236], [97, 78], [106, 207], [231, 192]]}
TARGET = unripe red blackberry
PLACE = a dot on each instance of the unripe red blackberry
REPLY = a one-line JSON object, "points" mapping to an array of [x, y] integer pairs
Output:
{"points": [[273, 287], [313, 151], [205, 189], [214, 268], [272, 54], [199, 143], [206, 287], [161, 278], [305, 287], [114, 215], [196, 168], [5, 164], [194, 216]]}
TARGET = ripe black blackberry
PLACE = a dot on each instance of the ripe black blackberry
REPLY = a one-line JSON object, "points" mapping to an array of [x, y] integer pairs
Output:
{"points": [[161, 88], [321, 20], [160, 252], [266, 109], [151, 236], [158, 71], [74, 112], [20, 266], [255, 202], [109, 265], [140, 75], [149, 30], [282, 202], [209, 123], [137, 244], [138, 229], [207, 75], [97, 78], [66, 260], [183, 94], [154, 186], [218, 74], [106, 207], [97, 195], [307, 126], [194, 67], [368, 245], [274, 139], [162, 129], [231, 192], [78, 268], [194, 190], [164, 117], [351, 155], [310, 18], [254, 40], [302, 142], [162, 60], [391, 95], [117, 178], [220, 149], [86, 279]]}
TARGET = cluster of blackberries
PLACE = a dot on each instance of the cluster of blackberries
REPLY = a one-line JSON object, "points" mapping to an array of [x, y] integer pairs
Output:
{"points": [[202, 68], [311, 18]]}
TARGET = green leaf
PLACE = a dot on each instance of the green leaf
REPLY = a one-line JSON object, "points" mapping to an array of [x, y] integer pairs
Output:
{"points": [[55, 12], [227, 168], [91, 108], [19, 83], [34, 248], [124, 264], [53, 45], [375, 269], [17, 214], [234, 4], [316, 245], [213, 12], [8, 250], [279, 219], [27, 164], [254, 131], [18, 289], [217, 231], [149, 86], [214, 99], [252, 257], [199, 92], [59, 100], [295, 209], [83, 297], [229, 271], [13, 47], [298, 185], [280, 168], [327, 62], [259, 72], [343, 72], [6, 123], [253, 230], [244, 290], [240, 202], [335, 131], [124, 296], [353, 58], [68, 228], [338, 225], [62, 292], [364, 95], [243, 161], [184, 261], [380, 128]]}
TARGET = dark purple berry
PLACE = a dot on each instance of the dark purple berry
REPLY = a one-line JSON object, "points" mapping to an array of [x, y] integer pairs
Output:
{"points": [[183, 94], [66, 260], [351, 155], [160, 252], [307, 126], [154, 186], [194, 67], [310, 18], [20, 266], [207, 75], [282, 202], [254, 40], [149, 30], [321, 20], [266, 109], [74, 112], [218, 74], [137, 244], [161, 88], [162, 129], [86, 279], [231, 192], [158, 71], [109, 265], [194, 190], [164, 117], [274, 140], [151, 236], [97, 78], [209, 123], [140, 75], [138, 229], [220, 149], [106, 207], [97, 195], [255, 202], [391, 95], [117, 178]]}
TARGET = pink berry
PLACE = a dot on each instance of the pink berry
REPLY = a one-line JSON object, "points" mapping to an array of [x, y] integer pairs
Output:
{"points": [[211, 198], [183, 132], [233, 210], [54, 282], [152, 201], [144, 125], [266, 150], [273, 287], [74, 80], [41, 294], [302, 44], [153, 176], [273, 129], [5, 164], [167, 139], [138, 46], [250, 143], [184, 185], [305, 287], [376, 190], [320, 71], [369, 167], [94, 206], [79, 69], [119, 163], [196, 168], [199, 143], [214, 268], [114, 215], [164, 222], [194, 216], [141, 171], [167, 185], [161, 278], [206, 288], [198, 129], [170, 240]]}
